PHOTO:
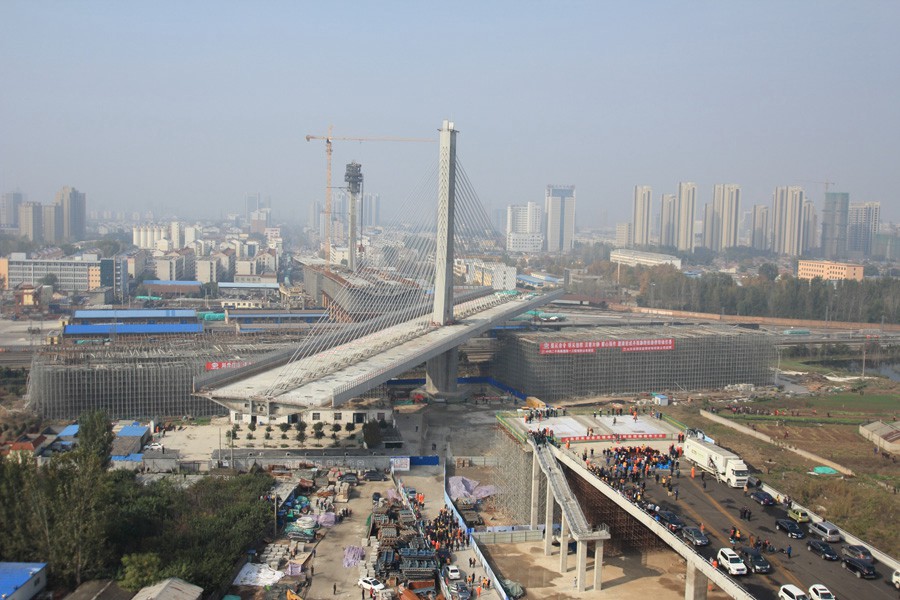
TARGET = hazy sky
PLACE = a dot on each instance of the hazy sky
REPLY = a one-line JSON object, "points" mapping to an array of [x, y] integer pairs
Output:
{"points": [[187, 106]]}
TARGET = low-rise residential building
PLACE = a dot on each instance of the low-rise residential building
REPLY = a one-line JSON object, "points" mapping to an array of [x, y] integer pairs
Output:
{"points": [[633, 258], [828, 270], [530, 243]]}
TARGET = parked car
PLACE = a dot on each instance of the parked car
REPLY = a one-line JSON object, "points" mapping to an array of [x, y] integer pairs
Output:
{"points": [[453, 573], [459, 591], [857, 551], [860, 568], [790, 528], [154, 446], [350, 478], [731, 562], [671, 520], [821, 548], [825, 530], [755, 561], [370, 583], [791, 592], [695, 537], [764, 498], [374, 475], [799, 515], [817, 591]]}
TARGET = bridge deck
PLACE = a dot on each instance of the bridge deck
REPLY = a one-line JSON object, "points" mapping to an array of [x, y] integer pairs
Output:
{"points": [[352, 378]]}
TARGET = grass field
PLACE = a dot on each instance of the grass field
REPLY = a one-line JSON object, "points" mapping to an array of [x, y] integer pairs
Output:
{"points": [[862, 504]]}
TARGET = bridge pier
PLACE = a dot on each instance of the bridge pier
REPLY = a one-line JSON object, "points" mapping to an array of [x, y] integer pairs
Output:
{"points": [[441, 374], [581, 562], [563, 545], [548, 522], [598, 564], [535, 490], [695, 583]]}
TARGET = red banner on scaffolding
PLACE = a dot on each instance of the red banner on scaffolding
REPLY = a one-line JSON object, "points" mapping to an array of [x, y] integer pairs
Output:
{"points": [[589, 347], [226, 364]]}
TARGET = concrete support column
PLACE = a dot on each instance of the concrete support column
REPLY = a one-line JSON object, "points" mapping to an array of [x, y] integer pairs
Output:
{"points": [[441, 374], [695, 583], [548, 522], [582, 565], [535, 489], [563, 545], [598, 564]]}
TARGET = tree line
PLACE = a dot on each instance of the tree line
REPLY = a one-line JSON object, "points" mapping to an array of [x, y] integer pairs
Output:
{"points": [[87, 521], [766, 294]]}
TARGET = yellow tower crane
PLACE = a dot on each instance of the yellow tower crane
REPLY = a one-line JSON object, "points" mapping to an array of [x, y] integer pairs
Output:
{"points": [[328, 149]]}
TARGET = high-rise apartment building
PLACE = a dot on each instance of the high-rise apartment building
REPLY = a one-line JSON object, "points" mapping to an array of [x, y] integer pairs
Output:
{"points": [[640, 229], [787, 233], [371, 210], [74, 207], [759, 236], [667, 220], [810, 226], [559, 231], [726, 213], [624, 235], [709, 224], [835, 215], [685, 205], [863, 225], [524, 219], [9, 208], [53, 223], [31, 221]]}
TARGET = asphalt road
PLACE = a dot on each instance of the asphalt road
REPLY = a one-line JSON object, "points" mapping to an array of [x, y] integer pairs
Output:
{"points": [[718, 508]]}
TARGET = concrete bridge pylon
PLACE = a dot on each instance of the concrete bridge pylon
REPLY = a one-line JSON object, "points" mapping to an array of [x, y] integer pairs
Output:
{"points": [[441, 371]]}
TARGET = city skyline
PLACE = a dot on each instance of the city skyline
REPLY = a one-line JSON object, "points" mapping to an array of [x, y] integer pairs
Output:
{"points": [[162, 111]]}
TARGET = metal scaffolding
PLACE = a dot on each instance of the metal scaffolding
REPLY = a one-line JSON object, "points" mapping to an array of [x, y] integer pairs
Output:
{"points": [[133, 380], [513, 478], [610, 360]]}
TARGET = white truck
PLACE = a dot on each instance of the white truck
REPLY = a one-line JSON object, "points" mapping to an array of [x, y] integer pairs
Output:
{"points": [[724, 464]]}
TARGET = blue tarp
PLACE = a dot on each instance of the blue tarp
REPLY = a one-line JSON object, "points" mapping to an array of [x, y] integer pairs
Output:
{"points": [[132, 328], [128, 458], [150, 313], [133, 431], [69, 431]]}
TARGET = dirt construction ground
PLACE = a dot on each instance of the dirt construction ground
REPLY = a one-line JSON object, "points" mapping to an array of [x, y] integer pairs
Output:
{"points": [[659, 575]]}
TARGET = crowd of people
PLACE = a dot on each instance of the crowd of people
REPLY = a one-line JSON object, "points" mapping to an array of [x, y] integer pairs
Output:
{"points": [[444, 532]]}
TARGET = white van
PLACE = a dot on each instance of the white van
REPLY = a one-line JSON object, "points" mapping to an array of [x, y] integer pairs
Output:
{"points": [[825, 530]]}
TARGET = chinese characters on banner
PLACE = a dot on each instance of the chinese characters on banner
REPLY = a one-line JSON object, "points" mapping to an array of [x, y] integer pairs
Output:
{"points": [[589, 347], [226, 364]]}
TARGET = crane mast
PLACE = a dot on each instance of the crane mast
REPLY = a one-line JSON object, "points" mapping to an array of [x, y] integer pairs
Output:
{"points": [[328, 139]]}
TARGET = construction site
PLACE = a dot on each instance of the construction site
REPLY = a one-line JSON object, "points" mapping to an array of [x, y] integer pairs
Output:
{"points": [[144, 378], [594, 361]]}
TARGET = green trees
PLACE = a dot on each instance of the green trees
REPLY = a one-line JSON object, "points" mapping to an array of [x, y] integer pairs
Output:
{"points": [[372, 434], [768, 295], [81, 518]]}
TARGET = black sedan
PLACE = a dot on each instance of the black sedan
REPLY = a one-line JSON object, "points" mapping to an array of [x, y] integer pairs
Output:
{"points": [[857, 551], [821, 548], [756, 562], [790, 528], [764, 498], [670, 520], [860, 568], [695, 537]]}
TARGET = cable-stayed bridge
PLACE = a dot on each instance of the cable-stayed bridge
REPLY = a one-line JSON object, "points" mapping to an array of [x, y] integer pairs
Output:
{"points": [[393, 304]]}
